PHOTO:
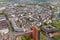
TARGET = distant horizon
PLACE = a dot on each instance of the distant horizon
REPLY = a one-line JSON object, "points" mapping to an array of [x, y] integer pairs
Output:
{"points": [[29, 0]]}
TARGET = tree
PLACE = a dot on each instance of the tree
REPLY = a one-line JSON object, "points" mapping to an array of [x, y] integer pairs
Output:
{"points": [[26, 38]]}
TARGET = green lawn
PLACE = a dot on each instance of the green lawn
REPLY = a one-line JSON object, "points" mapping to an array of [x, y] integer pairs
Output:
{"points": [[56, 23], [57, 37]]}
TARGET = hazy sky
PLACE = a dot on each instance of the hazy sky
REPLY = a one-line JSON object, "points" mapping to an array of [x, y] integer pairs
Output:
{"points": [[29, 0]]}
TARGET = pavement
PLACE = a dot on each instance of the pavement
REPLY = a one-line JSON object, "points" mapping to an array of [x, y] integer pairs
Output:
{"points": [[49, 38], [1, 38]]}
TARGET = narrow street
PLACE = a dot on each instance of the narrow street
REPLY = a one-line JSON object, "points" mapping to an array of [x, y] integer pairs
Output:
{"points": [[1, 38], [49, 38]]}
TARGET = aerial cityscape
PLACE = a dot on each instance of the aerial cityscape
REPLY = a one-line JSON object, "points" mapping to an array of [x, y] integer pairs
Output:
{"points": [[29, 19]]}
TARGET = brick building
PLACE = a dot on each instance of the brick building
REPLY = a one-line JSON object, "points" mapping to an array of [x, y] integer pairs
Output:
{"points": [[35, 33]]}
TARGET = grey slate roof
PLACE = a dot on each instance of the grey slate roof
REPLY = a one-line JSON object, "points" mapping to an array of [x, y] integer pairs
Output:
{"points": [[49, 28]]}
